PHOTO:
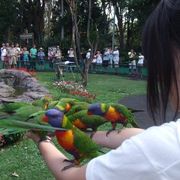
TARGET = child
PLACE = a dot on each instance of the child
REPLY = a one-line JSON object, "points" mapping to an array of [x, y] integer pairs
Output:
{"points": [[26, 58]]}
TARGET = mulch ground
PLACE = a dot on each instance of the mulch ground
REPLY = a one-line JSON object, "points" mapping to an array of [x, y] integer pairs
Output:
{"points": [[143, 119]]}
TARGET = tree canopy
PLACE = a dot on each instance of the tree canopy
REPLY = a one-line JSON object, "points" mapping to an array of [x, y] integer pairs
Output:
{"points": [[52, 23]]}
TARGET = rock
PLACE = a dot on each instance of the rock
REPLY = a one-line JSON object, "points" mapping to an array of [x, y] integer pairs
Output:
{"points": [[5, 90], [10, 78], [34, 95]]}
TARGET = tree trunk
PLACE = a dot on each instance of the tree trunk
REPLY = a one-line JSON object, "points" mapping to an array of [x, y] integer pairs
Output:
{"points": [[119, 15]]}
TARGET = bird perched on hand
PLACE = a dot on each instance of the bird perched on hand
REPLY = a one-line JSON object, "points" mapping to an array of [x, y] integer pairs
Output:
{"points": [[73, 140], [114, 113]]}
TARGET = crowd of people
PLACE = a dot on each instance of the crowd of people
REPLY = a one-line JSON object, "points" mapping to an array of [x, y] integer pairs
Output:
{"points": [[12, 56]]}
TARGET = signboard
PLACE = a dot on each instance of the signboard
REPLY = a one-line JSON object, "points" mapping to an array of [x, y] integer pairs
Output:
{"points": [[26, 36]]}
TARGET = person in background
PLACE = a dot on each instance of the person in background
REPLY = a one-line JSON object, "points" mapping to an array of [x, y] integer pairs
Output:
{"points": [[26, 58], [51, 56], [83, 60], [88, 55], [41, 58], [18, 50], [132, 62], [106, 58], [116, 57], [71, 55], [94, 62], [151, 154], [21, 57], [140, 64], [111, 57], [58, 54], [98, 59], [12, 60], [33, 57], [3, 55], [8, 55], [58, 65]]}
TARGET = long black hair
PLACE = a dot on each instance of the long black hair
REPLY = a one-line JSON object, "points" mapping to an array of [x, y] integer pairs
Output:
{"points": [[161, 44]]}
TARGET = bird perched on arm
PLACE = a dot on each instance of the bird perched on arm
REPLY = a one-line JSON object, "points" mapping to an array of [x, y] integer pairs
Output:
{"points": [[114, 113], [70, 106], [84, 121], [43, 102], [10, 107], [73, 140]]}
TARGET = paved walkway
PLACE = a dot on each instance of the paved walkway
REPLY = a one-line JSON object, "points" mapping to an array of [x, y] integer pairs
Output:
{"points": [[143, 119]]}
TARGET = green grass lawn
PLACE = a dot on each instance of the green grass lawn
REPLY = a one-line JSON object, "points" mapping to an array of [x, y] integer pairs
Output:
{"points": [[24, 159]]}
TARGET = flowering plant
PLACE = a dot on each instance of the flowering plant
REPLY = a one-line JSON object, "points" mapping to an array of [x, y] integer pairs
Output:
{"points": [[74, 88]]}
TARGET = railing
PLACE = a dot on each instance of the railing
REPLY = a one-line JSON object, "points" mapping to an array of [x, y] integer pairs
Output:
{"points": [[122, 69]]}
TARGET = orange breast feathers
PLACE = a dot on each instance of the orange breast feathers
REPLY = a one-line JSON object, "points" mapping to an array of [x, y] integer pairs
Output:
{"points": [[113, 116], [68, 107], [65, 139], [79, 124]]}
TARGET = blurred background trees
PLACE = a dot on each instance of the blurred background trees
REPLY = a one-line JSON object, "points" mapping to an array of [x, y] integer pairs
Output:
{"points": [[117, 22]]}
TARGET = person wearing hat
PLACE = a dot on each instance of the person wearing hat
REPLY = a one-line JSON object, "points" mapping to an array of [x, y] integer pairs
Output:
{"points": [[58, 64], [41, 57]]}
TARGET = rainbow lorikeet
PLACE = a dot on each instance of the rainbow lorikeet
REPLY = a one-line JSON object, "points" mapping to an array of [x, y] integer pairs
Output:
{"points": [[43, 102], [84, 121], [70, 106], [114, 113], [73, 140], [65, 104], [78, 106], [11, 107], [15, 125], [20, 114]]}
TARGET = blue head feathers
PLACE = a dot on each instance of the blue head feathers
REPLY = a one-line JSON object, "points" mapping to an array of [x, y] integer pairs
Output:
{"points": [[55, 117]]}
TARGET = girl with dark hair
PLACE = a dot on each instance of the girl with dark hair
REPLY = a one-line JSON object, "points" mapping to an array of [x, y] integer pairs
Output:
{"points": [[152, 154]]}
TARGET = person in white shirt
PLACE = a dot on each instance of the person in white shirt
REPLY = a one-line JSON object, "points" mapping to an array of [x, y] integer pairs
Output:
{"points": [[116, 57], [71, 55], [140, 64], [132, 62], [98, 60], [3, 54], [152, 154], [88, 55], [106, 58]]}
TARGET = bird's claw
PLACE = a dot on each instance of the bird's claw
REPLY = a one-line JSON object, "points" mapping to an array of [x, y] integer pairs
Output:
{"points": [[73, 164], [67, 167], [109, 132]]}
